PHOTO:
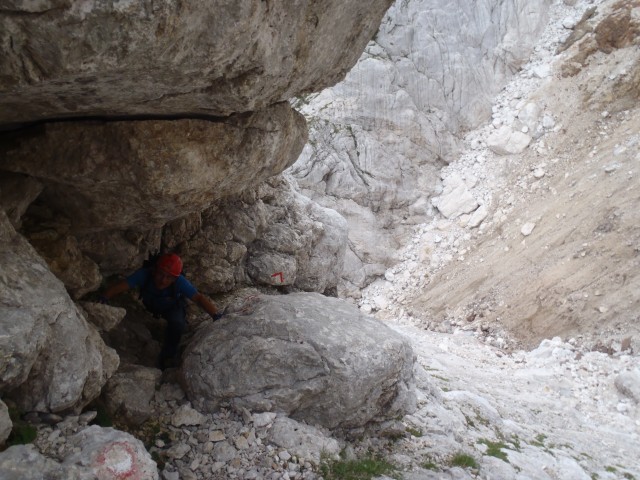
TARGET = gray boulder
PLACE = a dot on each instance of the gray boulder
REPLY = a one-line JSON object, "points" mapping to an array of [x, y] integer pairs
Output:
{"points": [[22, 462], [104, 317], [304, 441], [110, 454], [456, 199], [51, 359], [78, 272], [316, 359], [71, 59], [120, 174], [129, 392], [506, 141]]}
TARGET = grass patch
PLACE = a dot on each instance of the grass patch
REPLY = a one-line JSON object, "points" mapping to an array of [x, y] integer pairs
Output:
{"points": [[626, 475], [539, 440], [429, 465], [21, 434], [414, 431], [494, 449], [469, 421], [463, 460], [481, 420], [363, 469], [516, 443]]}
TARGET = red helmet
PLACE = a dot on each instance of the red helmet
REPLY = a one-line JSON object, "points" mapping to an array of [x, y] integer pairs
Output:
{"points": [[170, 263]]}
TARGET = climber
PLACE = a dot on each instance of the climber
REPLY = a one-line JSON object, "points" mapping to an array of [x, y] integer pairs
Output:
{"points": [[163, 290]]}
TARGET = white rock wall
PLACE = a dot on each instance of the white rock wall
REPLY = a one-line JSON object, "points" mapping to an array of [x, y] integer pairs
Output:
{"points": [[379, 138]]}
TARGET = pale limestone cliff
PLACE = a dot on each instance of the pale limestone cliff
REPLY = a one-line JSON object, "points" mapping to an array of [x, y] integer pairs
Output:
{"points": [[379, 138]]}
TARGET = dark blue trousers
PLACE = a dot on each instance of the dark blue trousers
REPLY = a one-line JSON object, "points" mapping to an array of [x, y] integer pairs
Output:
{"points": [[176, 317]]}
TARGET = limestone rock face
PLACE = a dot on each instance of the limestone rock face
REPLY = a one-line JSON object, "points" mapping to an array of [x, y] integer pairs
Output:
{"points": [[379, 138], [16, 193], [271, 235], [116, 175], [23, 318], [628, 383], [118, 251], [78, 272], [51, 359], [244, 240], [315, 358], [104, 317], [72, 59]]}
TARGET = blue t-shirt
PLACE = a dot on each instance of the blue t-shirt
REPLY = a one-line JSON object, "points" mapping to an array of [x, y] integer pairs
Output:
{"points": [[160, 299]]}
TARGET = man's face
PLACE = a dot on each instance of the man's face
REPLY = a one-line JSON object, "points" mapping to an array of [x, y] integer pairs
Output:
{"points": [[162, 279]]}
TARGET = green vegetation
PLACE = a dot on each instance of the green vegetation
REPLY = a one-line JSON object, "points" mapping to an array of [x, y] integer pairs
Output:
{"points": [[428, 464], [363, 469], [300, 100], [469, 421], [463, 460], [494, 449], [516, 443], [414, 431], [22, 432], [539, 441], [612, 469], [480, 419]]}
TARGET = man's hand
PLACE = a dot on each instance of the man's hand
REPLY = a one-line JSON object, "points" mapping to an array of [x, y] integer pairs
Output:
{"points": [[207, 305]]}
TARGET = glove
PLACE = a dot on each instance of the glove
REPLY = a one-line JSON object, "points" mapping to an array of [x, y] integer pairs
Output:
{"points": [[217, 316], [103, 300]]}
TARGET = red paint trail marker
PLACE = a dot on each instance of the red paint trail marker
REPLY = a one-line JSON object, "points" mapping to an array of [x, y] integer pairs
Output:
{"points": [[278, 274]]}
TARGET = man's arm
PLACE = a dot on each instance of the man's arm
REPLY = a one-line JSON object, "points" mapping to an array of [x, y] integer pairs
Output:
{"points": [[206, 304], [116, 289]]}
